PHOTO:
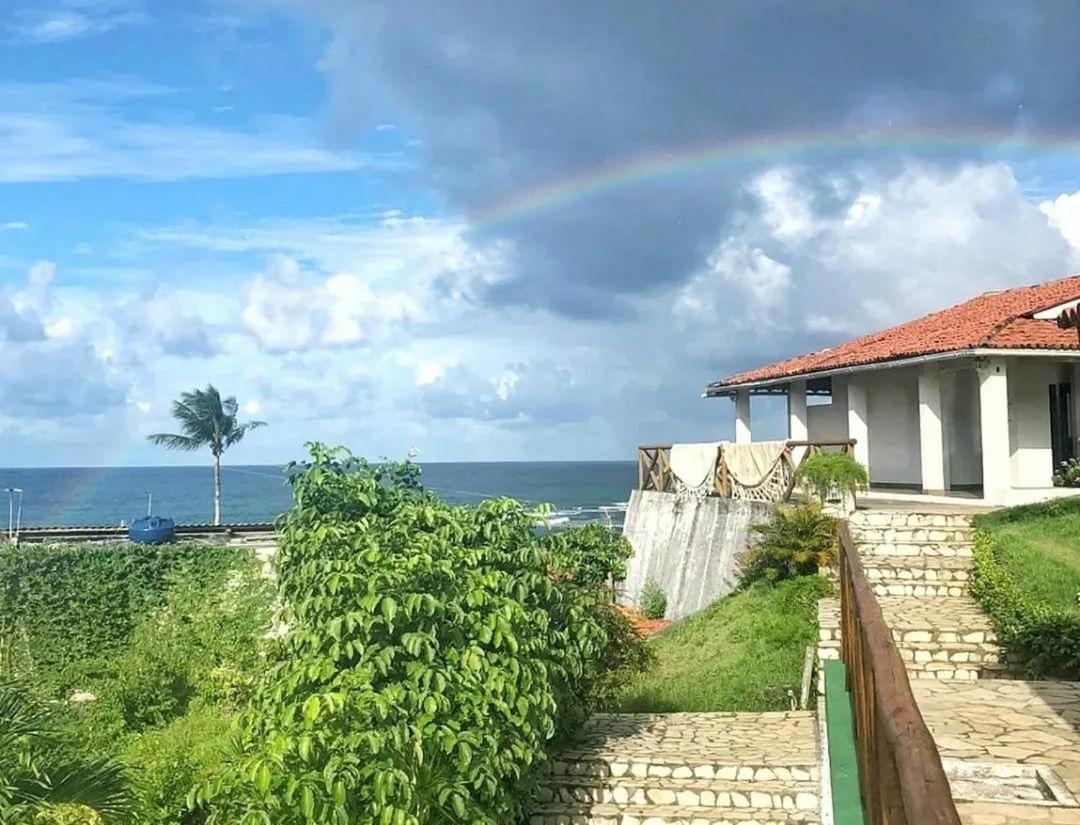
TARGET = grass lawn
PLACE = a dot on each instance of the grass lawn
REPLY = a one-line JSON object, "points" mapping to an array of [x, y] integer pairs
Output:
{"points": [[1039, 546], [742, 653]]}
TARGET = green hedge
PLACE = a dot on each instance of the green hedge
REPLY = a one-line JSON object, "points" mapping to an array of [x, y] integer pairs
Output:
{"points": [[1043, 639], [65, 606]]}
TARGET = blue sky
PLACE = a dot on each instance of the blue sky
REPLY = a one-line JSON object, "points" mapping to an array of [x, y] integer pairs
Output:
{"points": [[298, 200]]}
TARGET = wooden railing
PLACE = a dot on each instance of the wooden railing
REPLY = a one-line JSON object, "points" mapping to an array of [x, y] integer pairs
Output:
{"points": [[654, 466], [900, 772]]}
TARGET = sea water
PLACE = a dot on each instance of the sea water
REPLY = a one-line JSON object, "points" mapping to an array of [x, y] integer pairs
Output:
{"points": [[579, 492]]}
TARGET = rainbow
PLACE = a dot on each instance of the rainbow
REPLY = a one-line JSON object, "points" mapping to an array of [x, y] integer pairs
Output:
{"points": [[665, 163]]}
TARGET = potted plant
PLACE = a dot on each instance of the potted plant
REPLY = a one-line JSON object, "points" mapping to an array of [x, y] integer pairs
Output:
{"points": [[833, 479]]}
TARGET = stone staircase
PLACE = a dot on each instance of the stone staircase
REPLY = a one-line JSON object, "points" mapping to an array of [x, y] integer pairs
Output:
{"points": [[919, 564], [685, 769]]}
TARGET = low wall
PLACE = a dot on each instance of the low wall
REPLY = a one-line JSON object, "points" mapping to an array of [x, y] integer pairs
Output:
{"points": [[690, 547]]}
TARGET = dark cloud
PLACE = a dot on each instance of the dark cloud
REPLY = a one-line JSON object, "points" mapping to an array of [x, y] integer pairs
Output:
{"points": [[511, 96]]}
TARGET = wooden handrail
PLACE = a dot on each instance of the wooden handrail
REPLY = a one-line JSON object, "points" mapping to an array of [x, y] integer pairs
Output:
{"points": [[900, 771]]}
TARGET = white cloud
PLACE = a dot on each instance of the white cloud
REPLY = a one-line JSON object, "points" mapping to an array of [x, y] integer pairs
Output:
{"points": [[870, 252], [429, 372], [734, 266], [89, 129], [786, 206], [1063, 212], [71, 19], [14, 226], [345, 282], [51, 367]]}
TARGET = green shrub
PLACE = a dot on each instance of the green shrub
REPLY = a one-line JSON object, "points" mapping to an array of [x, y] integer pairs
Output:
{"points": [[796, 542], [1068, 474], [171, 760], [653, 600], [430, 657], [825, 474], [1043, 638], [66, 607], [591, 554]]}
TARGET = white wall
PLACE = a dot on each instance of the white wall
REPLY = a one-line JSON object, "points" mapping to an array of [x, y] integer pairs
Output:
{"points": [[960, 408], [1031, 458], [892, 401]]}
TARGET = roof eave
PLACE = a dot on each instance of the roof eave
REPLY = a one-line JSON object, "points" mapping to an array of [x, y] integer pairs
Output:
{"points": [[717, 390]]}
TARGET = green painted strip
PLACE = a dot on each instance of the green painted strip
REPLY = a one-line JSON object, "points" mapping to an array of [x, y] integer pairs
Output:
{"points": [[843, 763]]}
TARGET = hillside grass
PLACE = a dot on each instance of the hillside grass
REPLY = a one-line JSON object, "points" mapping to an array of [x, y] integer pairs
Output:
{"points": [[742, 653], [1038, 545]]}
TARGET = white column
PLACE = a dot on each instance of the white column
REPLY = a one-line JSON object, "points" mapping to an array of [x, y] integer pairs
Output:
{"points": [[931, 435], [1075, 380], [798, 430], [857, 421], [742, 417], [994, 424]]}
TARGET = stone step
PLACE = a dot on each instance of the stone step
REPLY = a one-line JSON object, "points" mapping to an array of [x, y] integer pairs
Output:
{"points": [[588, 813], [686, 793], [915, 548], [919, 576], [893, 535], [948, 638], [907, 518], [639, 766]]}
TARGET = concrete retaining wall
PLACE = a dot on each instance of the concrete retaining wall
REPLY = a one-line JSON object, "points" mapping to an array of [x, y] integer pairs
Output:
{"points": [[690, 547]]}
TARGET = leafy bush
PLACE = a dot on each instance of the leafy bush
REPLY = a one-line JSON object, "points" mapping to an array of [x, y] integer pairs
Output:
{"points": [[826, 474], [591, 554], [203, 643], [1068, 474], [796, 542], [1043, 638], [430, 657], [653, 600], [65, 607], [171, 760]]}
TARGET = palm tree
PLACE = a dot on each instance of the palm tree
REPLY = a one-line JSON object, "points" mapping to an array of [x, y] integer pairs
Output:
{"points": [[206, 421], [40, 773]]}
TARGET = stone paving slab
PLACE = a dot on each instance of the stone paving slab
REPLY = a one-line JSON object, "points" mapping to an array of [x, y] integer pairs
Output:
{"points": [[1007, 721], [684, 738]]}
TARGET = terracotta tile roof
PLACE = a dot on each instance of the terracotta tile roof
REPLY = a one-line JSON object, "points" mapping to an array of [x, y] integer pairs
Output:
{"points": [[994, 320]]}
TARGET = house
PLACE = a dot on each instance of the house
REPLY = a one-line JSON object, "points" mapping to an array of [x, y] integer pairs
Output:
{"points": [[974, 399]]}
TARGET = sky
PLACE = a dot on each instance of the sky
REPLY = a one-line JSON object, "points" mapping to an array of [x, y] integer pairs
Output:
{"points": [[499, 231]]}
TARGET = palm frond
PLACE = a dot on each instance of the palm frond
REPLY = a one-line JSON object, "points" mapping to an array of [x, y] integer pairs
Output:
{"points": [[100, 785], [40, 773], [238, 431], [172, 441]]}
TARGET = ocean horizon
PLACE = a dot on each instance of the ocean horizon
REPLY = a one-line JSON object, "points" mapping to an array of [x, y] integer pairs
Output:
{"points": [[107, 496]]}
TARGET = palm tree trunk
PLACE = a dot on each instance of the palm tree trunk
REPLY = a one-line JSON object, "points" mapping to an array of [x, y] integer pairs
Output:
{"points": [[217, 489]]}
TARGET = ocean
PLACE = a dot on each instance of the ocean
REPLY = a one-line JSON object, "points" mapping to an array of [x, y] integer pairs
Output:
{"points": [[580, 492]]}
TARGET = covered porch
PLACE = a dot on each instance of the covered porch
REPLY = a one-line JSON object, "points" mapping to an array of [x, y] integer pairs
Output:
{"points": [[958, 428]]}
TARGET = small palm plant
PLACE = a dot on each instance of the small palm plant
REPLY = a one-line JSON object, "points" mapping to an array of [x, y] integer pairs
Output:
{"points": [[206, 421], [39, 777], [796, 542]]}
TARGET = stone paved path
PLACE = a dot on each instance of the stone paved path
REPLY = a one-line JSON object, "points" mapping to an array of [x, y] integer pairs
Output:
{"points": [[685, 769], [1005, 721], [986, 727]]}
